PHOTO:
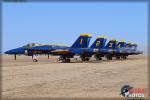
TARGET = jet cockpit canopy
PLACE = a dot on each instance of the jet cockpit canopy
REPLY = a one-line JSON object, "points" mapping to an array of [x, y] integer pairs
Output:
{"points": [[30, 45]]}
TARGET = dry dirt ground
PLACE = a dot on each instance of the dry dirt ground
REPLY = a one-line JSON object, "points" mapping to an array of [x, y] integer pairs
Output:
{"points": [[48, 78]]}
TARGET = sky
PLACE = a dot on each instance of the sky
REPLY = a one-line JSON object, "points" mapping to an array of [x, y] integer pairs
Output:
{"points": [[63, 22]]}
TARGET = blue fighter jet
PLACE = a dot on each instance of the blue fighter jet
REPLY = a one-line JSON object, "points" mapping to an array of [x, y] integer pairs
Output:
{"points": [[130, 49], [64, 52], [113, 49], [80, 48], [123, 49], [105, 50]]}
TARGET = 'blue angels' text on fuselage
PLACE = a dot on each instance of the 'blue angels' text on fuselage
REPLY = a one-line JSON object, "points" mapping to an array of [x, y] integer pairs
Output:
{"points": [[118, 49]]}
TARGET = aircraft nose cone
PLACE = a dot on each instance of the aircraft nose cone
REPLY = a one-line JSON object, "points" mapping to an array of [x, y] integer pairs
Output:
{"points": [[10, 51], [7, 52], [15, 51]]}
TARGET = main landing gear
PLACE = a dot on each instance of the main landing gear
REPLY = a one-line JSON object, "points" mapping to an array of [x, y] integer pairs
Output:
{"points": [[117, 57], [85, 58], [64, 59], [67, 60], [97, 57], [123, 57], [109, 57]]}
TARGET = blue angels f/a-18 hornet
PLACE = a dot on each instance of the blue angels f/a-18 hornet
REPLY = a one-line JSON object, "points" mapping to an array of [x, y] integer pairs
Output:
{"points": [[80, 47], [64, 52]]}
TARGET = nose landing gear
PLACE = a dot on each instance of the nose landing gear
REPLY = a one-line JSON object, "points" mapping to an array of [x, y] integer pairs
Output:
{"points": [[34, 58]]}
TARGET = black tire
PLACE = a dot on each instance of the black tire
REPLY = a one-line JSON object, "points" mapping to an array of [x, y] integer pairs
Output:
{"points": [[124, 57], [98, 57], [109, 57], [59, 59], [87, 59], [68, 60], [82, 58], [117, 57], [63, 60], [34, 60]]}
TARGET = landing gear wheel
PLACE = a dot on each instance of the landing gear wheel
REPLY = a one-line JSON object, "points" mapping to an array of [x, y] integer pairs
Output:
{"points": [[82, 58], [63, 60], [66, 60], [59, 59], [117, 57], [34, 60], [87, 59], [124, 57], [98, 58], [109, 57]]}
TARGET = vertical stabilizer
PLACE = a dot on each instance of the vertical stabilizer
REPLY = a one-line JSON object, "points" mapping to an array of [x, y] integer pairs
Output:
{"points": [[82, 41], [112, 44], [121, 44], [99, 42]]}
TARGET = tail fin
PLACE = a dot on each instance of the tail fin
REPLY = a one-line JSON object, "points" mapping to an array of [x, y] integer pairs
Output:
{"points": [[121, 44], [82, 41], [111, 44], [99, 42]]}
